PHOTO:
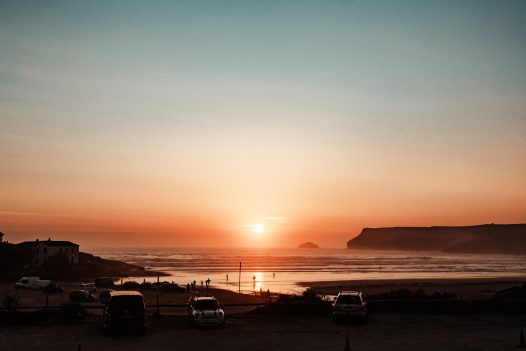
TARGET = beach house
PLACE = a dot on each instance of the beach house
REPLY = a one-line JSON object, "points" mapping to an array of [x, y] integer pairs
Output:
{"points": [[46, 250]]}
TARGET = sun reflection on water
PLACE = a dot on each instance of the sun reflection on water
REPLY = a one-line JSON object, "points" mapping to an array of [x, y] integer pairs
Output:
{"points": [[258, 280]]}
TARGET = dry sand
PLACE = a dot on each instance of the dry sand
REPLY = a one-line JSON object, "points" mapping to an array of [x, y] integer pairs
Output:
{"points": [[263, 332]]}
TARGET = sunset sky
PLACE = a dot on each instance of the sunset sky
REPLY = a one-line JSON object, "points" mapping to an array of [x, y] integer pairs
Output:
{"points": [[258, 123]]}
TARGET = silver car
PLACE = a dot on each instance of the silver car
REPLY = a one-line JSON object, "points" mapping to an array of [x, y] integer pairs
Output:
{"points": [[349, 304], [205, 311]]}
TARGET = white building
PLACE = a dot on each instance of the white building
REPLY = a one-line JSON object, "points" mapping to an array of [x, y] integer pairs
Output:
{"points": [[45, 250]]}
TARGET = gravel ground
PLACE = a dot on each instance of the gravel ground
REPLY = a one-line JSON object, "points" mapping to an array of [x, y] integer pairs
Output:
{"points": [[255, 331]]}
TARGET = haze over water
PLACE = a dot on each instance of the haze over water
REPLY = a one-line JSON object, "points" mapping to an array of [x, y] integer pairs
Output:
{"points": [[309, 265]]}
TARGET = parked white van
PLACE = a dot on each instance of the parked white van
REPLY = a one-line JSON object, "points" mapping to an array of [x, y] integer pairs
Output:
{"points": [[26, 282]]}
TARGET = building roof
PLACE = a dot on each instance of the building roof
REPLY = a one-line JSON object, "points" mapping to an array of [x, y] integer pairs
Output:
{"points": [[47, 242]]}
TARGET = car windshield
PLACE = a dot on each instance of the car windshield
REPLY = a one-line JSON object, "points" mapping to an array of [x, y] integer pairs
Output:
{"points": [[206, 305], [133, 304], [348, 299]]}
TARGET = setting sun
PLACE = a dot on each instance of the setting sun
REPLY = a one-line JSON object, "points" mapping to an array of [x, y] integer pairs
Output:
{"points": [[258, 228]]}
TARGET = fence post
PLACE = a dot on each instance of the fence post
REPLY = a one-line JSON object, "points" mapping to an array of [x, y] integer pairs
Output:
{"points": [[157, 305]]}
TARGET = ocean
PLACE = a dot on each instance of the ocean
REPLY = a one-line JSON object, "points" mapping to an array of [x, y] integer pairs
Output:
{"points": [[280, 270]]}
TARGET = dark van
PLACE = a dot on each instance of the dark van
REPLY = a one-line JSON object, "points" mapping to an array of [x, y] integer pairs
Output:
{"points": [[124, 311]]}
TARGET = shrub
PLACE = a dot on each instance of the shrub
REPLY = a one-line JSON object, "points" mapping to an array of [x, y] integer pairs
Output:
{"points": [[10, 302], [308, 303], [406, 294], [146, 286], [131, 285], [172, 288]]}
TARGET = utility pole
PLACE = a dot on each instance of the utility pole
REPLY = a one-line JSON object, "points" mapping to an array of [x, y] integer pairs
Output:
{"points": [[239, 291]]}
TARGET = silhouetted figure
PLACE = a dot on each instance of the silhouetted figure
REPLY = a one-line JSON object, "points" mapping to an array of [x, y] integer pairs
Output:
{"points": [[202, 284], [188, 287], [254, 281], [268, 295], [273, 275], [227, 277]]}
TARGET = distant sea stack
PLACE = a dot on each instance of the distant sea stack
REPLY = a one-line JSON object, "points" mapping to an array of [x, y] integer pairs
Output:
{"points": [[308, 245], [479, 239]]}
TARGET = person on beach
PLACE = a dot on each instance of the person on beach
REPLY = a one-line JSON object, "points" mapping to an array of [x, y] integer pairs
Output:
{"points": [[273, 275], [227, 277]]}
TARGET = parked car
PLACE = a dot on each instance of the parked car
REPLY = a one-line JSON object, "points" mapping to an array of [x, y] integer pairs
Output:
{"points": [[81, 296], [40, 284], [125, 309], [88, 287], [104, 296], [26, 282], [52, 288], [349, 304], [205, 311]]}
